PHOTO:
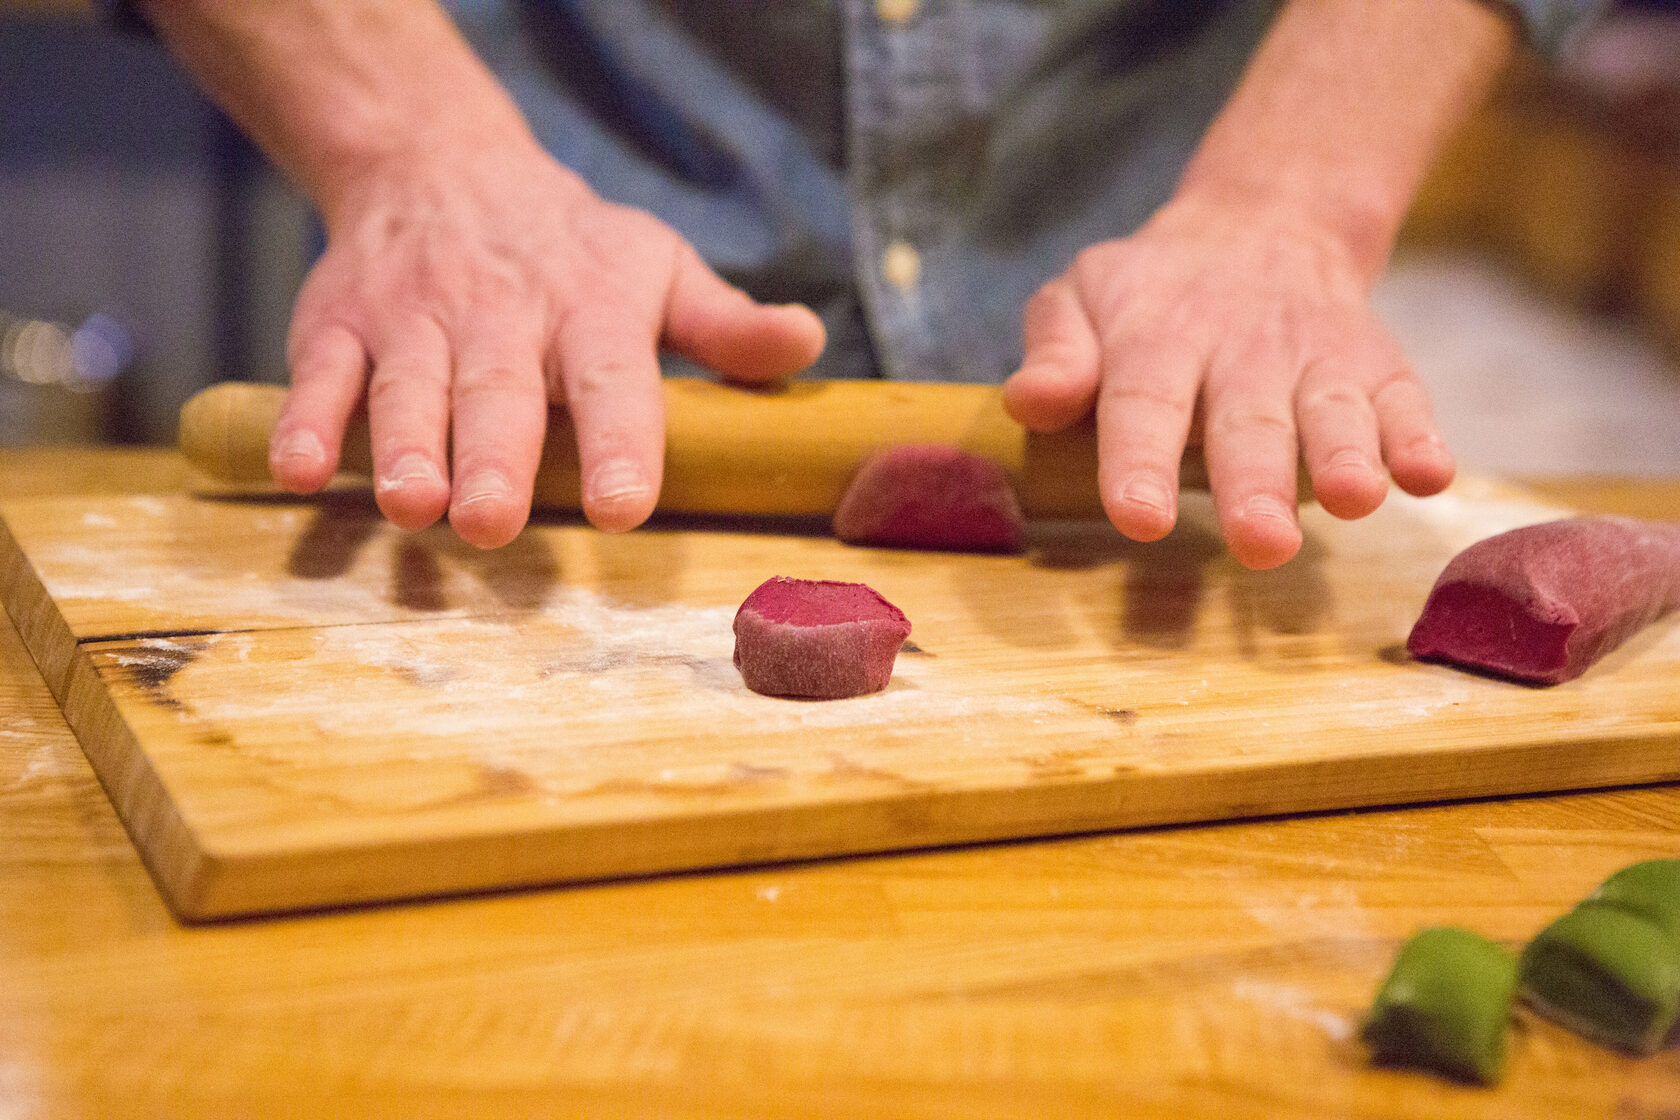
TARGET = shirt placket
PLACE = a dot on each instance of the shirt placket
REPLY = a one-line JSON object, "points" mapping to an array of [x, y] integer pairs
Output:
{"points": [[905, 68]]}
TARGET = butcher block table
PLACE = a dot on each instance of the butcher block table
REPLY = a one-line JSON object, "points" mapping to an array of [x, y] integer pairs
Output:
{"points": [[1215, 969]]}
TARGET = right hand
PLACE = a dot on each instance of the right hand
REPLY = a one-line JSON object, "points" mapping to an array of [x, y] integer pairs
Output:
{"points": [[461, 295], [1241, 324]]}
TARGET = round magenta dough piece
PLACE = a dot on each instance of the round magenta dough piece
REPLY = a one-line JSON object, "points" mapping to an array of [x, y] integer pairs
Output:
{"points": [[819, 639], [931, 496]]}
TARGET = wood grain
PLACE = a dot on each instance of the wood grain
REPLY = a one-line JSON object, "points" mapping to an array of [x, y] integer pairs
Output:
{"points": [[294, 705], [1205, 971]]}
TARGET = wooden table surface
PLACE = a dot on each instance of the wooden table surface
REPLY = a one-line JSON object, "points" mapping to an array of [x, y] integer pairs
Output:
{"points": [[1199, 971]]}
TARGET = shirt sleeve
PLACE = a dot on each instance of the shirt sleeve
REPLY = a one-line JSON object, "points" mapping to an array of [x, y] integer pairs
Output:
{"points": [[1549, 25]]}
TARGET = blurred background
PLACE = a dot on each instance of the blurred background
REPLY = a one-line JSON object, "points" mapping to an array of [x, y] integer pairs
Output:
{"points": [[147, 250]]}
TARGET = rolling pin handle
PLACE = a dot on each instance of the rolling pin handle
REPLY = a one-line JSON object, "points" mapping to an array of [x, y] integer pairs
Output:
{"points": [[224, 430]]}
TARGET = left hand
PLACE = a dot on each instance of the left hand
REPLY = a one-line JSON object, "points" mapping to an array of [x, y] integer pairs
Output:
{"points": [[1247, 328]]}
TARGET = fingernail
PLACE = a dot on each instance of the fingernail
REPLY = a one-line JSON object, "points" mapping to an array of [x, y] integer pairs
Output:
{"points": [[486, 486], [408, 470], [1269, 507], [302, 445], [1145, 489], [617, 480]]}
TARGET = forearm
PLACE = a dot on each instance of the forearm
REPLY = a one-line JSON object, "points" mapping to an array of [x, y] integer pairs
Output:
{"points": [[1344, 107], [337, 91]]}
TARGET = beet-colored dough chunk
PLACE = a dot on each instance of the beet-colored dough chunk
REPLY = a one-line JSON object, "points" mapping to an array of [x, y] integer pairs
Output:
{"points": [[1541, 604], [931, 496], [820, 639]]}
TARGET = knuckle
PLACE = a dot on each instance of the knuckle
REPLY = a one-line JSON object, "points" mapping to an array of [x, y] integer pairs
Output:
{"points": [[1103, 257], [314, 341], [1244, 420], [1398, 383], [1092, 258], [1154, 395], [602, 376], [1044, 305], [1062, 362], [1344, 455], [398, 380], [493, 380], [1339, 397], [1148, 332]]}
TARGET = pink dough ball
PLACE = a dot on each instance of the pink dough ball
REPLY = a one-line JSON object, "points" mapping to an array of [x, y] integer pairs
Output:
{"points": [[934, 497], [819, 639]]}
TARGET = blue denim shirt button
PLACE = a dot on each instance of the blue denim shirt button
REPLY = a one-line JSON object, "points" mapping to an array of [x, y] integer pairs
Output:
{"points": [[895, 11], [901, 265]]}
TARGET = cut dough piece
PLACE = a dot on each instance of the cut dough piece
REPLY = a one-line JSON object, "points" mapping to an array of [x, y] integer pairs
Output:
{"points": [[819, 639], [1541, 604], [934, 497], [1444, 1006], [1608, 974], [1650, 889]]}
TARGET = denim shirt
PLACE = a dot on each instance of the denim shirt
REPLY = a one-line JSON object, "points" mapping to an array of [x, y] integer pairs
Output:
{"points": [[912, 169]]}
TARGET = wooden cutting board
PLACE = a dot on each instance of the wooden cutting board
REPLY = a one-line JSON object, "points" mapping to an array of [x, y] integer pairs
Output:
{"points": [[293, 705]]}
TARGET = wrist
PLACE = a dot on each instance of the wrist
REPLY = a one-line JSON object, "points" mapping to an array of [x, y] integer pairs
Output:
{"points": [[358, 159], [1342, 109], [1358, 216], [341, 93]]}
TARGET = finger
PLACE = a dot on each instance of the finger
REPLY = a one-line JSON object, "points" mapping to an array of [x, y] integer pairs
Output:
{"points": [[498, 412], [408, 421], [329, 372], [1057, 383], [1251, 458], [1144, 407], [1339, 443], [1412, 446], [610, 379], [721, 327]]}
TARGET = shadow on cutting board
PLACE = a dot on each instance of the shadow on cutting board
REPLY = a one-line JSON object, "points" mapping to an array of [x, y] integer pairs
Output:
{"points": [[1159, 588], [346, 522]]}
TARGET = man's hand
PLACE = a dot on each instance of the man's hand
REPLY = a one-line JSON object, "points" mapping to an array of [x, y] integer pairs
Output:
{"points": [[1247, 331], [469, 279], [1237, 315], [464, 298]]}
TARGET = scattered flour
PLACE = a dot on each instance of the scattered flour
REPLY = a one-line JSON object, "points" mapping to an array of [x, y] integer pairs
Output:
{"points": [[1293, 1002], [1477, 509], [572, 694], [568, 680], [1336, 912], [46, 763], [580, 658]]}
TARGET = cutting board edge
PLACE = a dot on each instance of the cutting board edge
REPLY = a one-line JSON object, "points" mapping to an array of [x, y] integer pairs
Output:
{"points": [[150, 814], [288, 879]]}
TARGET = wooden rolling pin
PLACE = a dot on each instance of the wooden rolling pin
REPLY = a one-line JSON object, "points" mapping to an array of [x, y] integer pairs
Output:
{"points": [[791, 450]]}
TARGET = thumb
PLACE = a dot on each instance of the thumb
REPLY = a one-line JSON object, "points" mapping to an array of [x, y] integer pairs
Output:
{"points": [[716, 324], [1060, 370]]}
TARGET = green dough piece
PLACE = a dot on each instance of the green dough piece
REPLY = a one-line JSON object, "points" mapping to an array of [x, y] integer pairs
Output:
{"points": [[1445, 1006], [1650, 889], [1608, 974]]}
